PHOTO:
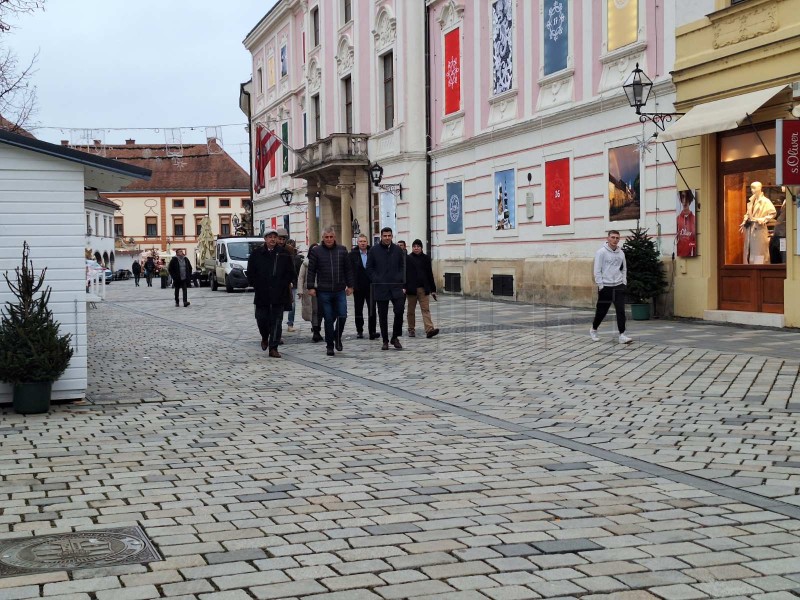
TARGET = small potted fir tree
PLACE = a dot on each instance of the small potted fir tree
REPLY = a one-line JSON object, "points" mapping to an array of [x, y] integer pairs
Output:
{"points": [[32, 353], [646, 278]]}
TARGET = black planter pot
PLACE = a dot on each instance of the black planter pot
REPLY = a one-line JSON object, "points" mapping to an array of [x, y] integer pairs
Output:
{"points": [[32, 398]]}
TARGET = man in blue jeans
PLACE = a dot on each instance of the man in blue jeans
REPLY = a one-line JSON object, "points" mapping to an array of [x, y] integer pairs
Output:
{"points": [[330, 279]]}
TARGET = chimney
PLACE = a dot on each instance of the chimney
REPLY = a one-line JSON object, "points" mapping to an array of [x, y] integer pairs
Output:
{"points": [[65, 142], [130, 142]]}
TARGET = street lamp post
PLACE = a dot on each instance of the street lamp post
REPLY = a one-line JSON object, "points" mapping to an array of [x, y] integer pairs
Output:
{"points": [[637, 88], [286, 196]]}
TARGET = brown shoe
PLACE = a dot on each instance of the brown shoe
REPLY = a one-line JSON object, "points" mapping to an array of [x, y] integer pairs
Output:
{"points": [[264, 344], [412, 333], [396, 343], [273, 353], [432, 333], [385, 346]]}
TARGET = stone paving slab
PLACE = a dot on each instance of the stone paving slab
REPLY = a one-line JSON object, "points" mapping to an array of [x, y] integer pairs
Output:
{"points": [[517, 461]]}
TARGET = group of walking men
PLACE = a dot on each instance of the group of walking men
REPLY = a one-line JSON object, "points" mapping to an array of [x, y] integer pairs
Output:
{"points": [[377, 277]]}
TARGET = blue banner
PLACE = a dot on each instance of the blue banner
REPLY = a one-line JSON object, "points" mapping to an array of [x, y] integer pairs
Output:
{"points": [[454, 208], [555, 35]]}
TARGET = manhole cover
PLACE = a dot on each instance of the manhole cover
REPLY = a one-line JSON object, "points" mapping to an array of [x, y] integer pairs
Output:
{"points": [[78, 550]]}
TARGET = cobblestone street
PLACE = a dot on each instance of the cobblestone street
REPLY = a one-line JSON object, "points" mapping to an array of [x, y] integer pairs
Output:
{"points": [[508, 458]]}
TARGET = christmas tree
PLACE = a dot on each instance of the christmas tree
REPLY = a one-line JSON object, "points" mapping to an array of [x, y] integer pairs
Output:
{"points": [[646, 277], [31, 349]]}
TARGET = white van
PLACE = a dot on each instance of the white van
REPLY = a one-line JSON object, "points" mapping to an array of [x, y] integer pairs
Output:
{"points": [[229, 265]]}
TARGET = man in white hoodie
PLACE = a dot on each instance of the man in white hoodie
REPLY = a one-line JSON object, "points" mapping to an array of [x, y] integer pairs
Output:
{"points": [[611, 277]]}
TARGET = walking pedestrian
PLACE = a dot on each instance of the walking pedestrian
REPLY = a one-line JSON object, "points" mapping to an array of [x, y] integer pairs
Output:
{"points": [[361, 291], [283, 235], [149, 270], [611, 277], [136, 268], [330, 279], [420, 285], [310, 305], [386, 268], [270, 271], [181, 271], [297, 258], [163, 273]]}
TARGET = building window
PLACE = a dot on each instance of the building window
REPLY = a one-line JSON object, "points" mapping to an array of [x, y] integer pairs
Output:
{"points": [[199, 202], [119, 230], [224, 202], [305, 129], [284, 146], [88, 224], [347, 9], [224, 225], [347, 82], [177, 203], [623, 23], [96, 224], [315, 106], [260, 79], [151, 226], [177, 226], [105, 226], [315, 26], [388, 90], [502, 46], [376, 218], [198, 226], [244, 202]]}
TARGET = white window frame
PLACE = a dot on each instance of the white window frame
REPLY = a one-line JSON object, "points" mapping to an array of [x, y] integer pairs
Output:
{"points": [[570, 68], [503, 233]]}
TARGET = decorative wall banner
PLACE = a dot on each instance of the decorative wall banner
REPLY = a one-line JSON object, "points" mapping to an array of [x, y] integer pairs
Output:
{"points": [[505, 205], [557, 193], [502, 47], [686, 226], [285, 138], [454, 207], [284, 62], [787, 152], [623, 183], [555, 35], [452, 71], [271, 71], [623, 23], [388, 206]]}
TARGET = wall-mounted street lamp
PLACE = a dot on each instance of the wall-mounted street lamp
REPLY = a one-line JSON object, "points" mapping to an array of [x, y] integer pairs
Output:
{"points": [[286, 196], [376, 173], [376, 176], [637, 88]]}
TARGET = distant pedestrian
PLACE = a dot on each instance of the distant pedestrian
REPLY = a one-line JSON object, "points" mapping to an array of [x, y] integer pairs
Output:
{"points": [[136, 268], [283, 236], [270, 271], [402, 244], [297, 258], [310, 305], [361, 291], [330, 279], [163, 273], [611, 277], [149, 270], [181, 271], [386, 268], [420, 286]]}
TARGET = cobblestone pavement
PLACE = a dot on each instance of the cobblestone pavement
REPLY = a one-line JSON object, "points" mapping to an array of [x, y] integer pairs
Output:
{"points": [[510, 457]]}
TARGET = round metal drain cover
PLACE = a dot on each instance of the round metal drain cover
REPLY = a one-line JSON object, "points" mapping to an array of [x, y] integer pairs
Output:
{"points": [[72, 551]]}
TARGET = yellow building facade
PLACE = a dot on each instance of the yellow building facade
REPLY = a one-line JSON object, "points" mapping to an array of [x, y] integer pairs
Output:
{"points": [[734, 76]]}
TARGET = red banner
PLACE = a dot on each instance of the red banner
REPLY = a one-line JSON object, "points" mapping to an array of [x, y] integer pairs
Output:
{"points": [[452, 71], [557, 192], [787, 152]]}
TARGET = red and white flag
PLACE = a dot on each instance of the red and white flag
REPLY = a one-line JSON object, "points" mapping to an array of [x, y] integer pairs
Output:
{"points": [[452, 71], [267, 145]]}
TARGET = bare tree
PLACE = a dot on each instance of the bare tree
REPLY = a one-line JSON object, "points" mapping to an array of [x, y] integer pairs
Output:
{"points": [[17, 92]]}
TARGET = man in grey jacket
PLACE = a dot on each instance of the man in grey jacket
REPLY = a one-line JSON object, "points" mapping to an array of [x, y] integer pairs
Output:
{"points": [[611, 278]]}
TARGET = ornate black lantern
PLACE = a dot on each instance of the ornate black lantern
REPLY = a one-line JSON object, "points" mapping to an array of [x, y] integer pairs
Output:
{"points": [[637, 88], [286, 196], [376, 173]]}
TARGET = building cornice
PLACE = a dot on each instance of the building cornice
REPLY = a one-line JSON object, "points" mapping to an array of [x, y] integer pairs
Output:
{"points": [[278, 12], [145, 193], [539, 122]]}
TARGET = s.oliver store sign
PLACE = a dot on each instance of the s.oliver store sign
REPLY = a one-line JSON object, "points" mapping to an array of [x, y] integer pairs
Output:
{"points": [[787, 150]]}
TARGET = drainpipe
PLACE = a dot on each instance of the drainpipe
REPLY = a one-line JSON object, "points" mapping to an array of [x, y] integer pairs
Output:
{"points": [[250, 158], [428, 128]]}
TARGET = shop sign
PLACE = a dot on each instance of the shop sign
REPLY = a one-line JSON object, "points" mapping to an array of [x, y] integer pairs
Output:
{"points": [[787, 159]]}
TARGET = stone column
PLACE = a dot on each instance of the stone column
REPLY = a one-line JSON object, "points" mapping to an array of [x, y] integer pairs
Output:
{"points": [[311, 216]]}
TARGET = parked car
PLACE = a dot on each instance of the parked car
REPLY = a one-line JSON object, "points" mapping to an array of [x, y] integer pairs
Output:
{"points": [[109, 276], [122, 274]]}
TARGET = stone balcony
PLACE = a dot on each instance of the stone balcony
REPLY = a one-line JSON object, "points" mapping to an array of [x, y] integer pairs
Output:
{"points": [[324, 159]]}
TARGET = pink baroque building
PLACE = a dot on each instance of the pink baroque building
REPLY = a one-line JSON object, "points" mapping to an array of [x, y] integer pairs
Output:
{"points": [[535, 151], [343, 83]]}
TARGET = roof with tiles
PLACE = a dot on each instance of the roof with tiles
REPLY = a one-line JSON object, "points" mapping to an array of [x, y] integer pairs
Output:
{"points": [[200, 167]]}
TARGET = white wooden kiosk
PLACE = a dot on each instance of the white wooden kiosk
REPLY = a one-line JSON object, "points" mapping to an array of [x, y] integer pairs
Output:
{"points": [[42, 202]]}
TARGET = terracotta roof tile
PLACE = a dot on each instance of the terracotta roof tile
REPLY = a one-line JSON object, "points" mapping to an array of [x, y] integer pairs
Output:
{"points": [[195, 169]]}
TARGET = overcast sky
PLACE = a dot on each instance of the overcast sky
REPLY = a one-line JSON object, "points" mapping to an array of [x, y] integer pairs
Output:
{"points": [[145, 63]]}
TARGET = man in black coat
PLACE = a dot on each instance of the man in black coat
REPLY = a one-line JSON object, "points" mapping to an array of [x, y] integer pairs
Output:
{"points": [[180, 269], [386, 268], [361, 291], [330, 279], [270, 270], [137, 272], [420, 285]]}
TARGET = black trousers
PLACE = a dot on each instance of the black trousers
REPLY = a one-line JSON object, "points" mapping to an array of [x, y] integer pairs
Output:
{"points": [[398, 306], [610, 294], [268, 319], [359, 299], [136, 277], [181, 284]]}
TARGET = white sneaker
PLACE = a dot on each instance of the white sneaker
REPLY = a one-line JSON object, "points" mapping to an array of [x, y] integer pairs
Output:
{"points": [[593, 335], [624, 339]]}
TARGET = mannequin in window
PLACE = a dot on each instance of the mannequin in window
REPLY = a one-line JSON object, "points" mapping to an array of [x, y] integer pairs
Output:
{"points": [[776, 255], [760, 211]]}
